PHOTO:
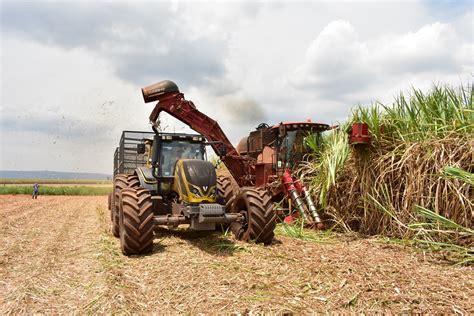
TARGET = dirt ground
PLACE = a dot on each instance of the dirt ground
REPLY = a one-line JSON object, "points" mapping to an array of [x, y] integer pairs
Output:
{"points": [[57, 256], [94, 185]]}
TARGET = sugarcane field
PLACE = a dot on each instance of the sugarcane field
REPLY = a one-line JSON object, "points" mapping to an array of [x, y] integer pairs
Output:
{"points": [[248, 158]]}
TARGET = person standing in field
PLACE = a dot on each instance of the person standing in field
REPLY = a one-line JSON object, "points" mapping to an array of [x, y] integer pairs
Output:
{"points": [[35, 190]]}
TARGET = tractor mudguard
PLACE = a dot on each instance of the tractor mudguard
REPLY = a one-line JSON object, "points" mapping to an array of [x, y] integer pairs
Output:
{"points": [[147, 181]]}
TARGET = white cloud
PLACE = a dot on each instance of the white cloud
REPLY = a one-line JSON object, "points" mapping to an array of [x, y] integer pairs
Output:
{"points": [[86, 62], [65, 104], [339, 65], [139, 39], [336, 62]]}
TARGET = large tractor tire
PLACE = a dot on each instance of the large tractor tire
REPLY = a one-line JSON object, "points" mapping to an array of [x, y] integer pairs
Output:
{"points": [[136, 221], [109, 202], [225, 190], [121, 182], [259, 218]]}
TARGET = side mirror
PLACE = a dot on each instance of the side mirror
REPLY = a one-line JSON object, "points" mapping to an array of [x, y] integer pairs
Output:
{"points": [[141, 148]]}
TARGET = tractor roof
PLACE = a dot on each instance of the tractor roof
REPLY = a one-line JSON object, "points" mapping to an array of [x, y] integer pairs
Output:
{"points": [[302, 125]]}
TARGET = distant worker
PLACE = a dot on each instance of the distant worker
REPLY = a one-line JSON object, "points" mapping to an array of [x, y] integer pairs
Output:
{"points": [[35, 191]]}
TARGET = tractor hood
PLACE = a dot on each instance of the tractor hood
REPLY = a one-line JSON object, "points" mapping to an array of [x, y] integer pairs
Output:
{"points": [[200, 173], [195, 181]]}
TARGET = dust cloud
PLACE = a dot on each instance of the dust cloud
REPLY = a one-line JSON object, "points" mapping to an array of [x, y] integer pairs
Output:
{"points": [[243, 110]]}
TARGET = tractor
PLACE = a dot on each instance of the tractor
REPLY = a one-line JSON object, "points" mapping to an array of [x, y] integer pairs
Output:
{"points": [[173, 190], [176, 185]]}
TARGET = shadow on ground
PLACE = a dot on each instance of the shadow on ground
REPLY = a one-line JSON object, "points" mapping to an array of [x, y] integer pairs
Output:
{"points": [[157, 248], [213, 242]]}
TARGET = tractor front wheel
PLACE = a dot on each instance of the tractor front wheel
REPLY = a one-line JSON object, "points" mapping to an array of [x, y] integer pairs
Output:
{"points": [[136, 221], [226, 193], [259, 219], [225, 190]]}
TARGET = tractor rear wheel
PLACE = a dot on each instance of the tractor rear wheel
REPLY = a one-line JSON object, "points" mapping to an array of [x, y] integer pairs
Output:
{"points": [[136, 221], [109, 201], [121, 182], [259, 219]]}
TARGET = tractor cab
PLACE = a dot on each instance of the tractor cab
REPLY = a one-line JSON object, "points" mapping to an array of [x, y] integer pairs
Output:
{"points": [[175, 163], [290, 139], [277, 148], [172, 150]]}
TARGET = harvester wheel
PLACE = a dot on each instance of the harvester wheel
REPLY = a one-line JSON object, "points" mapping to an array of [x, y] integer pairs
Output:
{"points": [[136, 221], [121, 182], [259, 218]]}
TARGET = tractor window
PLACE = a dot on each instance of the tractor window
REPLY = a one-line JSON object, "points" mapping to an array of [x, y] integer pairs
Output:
{"points": [[173, 151], [290, 145], [292, 148]]}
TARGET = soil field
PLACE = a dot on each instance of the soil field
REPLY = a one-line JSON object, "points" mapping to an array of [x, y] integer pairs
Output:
{"points": [[92, 185], [51, 181], [57, 256]]}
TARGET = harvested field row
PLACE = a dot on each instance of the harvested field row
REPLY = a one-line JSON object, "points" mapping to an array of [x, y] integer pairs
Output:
{"points": [[29, 185], [58, 256], [50, 181]]}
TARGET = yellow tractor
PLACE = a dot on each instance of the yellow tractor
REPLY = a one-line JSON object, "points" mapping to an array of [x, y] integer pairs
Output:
{"points": [[176, 185]]}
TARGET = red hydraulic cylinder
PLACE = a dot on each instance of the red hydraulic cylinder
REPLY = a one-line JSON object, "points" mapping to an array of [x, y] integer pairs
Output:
{"points": [[290, 189], [301, 188]]}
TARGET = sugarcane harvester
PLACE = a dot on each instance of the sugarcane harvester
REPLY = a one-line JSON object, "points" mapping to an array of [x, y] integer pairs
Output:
{"points": [[264, 161]]}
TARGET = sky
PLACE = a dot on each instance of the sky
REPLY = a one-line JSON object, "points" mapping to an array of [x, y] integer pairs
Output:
{"points": [[71, 72]]}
